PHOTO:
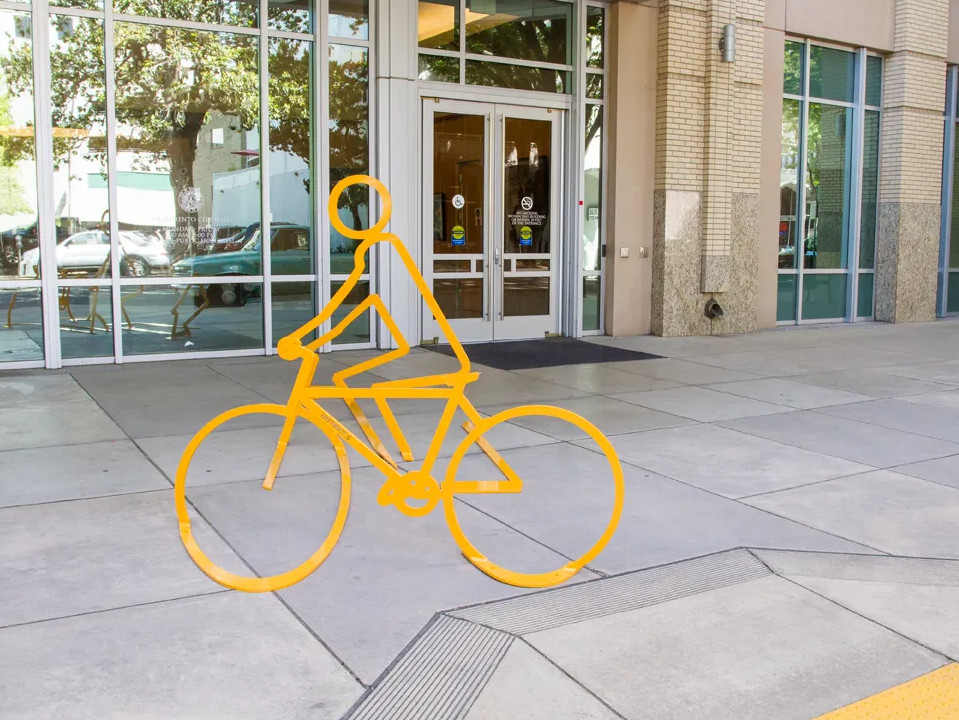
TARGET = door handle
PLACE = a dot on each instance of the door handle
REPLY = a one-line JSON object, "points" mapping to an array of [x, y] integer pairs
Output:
{"points": [[496, 256]]}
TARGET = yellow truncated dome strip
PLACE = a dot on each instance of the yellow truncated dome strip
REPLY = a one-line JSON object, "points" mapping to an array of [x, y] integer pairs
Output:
{"points": [[934, 696]]}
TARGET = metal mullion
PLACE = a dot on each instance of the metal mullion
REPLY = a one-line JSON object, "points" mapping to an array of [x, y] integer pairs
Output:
{"points": [[43, 157], [462, 53], [357, 42], [74, 12], [603, 177], [286, 35], [109, 82], [17, 7], [321, 131], [801, 184], [184, 280], [85, 282], [858, 144], [576, 142], [948, 170], [519, 63], [266, 217], [293, 278], [150, 357], [437, 52], [185, 24], [20, 285], [376, 324]]}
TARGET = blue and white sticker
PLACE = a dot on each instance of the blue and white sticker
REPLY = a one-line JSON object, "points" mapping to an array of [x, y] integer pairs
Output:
{"points": [[458, 235], [525, 235]]}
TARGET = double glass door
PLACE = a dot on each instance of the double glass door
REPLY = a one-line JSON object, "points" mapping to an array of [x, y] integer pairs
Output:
{"points": [[491, 245]]}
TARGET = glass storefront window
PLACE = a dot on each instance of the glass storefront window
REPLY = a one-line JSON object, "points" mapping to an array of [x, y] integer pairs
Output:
{"points": [[594, 86], [220, 12], [515, 77], [592, 196], [873, 80], [522, 29], [870, 191], [290, 68], [438, 24], [358, 331], [86, 321], [296, 16], [226, 316], [187, 106], [21, 325], [831, 73], [349, 145], [595, 36], [828, 186], [592, 302], [789, 184], [438, 68], [293, 306], [349, 19], [793, 68]]}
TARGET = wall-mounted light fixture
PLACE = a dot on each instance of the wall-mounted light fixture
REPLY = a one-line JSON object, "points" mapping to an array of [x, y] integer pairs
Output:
{"points": [[727, 43]]}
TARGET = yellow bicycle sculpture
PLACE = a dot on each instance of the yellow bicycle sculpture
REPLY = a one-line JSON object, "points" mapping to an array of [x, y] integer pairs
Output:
{"points": [[415, 493]]}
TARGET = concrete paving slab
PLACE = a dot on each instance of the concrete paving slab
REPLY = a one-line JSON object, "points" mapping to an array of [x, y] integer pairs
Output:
{"points": [[730, 463], [849, 355], [947, 400], [856, 441], [944, 471], [388, 574], [882, 509], [604, 379], [75, 422], [28, 389], [871, 382], [526, 685], [220, 657], [870, 568], [42, 475], [89, 555], [567, 510], [934, 422], [714, 650], [942, 372], [164, 399], [924, 613], [502, 387], [792, 394], [759, 363], [612, 417], [702, 404], [670, 346], [684, 372]]}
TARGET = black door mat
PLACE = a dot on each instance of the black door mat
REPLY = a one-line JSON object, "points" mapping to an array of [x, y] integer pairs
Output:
{"points": [[550, 352]]}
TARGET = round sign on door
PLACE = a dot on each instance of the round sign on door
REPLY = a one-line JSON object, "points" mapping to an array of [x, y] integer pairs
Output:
{"points": [[459, 201]]}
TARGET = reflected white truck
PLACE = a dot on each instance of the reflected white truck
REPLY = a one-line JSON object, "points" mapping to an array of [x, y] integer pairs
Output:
{"points": [[86, 252]]}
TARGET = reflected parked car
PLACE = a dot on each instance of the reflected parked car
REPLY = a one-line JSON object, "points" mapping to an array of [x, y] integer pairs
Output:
{"points": [[16, 241], [290, 255], [86, 252]]}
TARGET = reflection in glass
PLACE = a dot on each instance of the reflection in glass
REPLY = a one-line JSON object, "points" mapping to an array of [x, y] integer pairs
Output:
{"points": [[870, 191], [952, 300], [792, 73], [438, 24], [522, 29], [18, 178], [349, 145], [516, 77], [290, 16], [593, 188], [789, 184], [873, 80], [864, 302], [78, 106], [86, 322], [459, 298], [293, 305], [187, 105], [85, 4], [218, 12], [349, 19], [526, 185], [828, 179], [786, 298], [21, 325], [823, 296], [439, 69], [358, 331], [831, 73], [227, 317], [291, 82], [595, 27], [954, 227], [592, 285], [594, 86], [525, 296]]}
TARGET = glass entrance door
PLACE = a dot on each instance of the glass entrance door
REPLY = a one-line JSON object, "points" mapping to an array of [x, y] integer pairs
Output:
{"points": [[491, 218]]}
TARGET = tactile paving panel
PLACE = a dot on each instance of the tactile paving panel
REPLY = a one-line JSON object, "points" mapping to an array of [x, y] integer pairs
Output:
{"points": [[934, 696]]}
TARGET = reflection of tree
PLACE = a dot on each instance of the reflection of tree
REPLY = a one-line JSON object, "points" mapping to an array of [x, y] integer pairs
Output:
{"points": [[349, 125], [12, 148]]}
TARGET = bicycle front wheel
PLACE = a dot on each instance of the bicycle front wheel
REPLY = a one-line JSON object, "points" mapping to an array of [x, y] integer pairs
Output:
{"points": [[459, 480], [239, 444]]}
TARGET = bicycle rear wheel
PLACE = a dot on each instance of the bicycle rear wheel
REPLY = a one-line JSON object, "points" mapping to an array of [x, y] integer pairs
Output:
{"points": [[453, 482], [253, 583]]}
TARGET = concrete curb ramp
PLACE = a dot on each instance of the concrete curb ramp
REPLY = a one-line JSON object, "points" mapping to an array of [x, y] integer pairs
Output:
{"points": [[762, 634]]}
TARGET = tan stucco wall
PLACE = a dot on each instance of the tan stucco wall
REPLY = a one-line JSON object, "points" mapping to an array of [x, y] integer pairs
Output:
{"points": [[767, 281], [631, 156], [867, 23], [952, 51]]}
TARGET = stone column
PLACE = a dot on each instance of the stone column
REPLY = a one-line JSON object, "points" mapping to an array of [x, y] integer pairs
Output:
{"points": [[708, 146], [907, 249]]}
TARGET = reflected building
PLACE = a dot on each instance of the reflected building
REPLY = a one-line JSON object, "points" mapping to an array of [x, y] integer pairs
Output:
{"points": [[558, 167]]}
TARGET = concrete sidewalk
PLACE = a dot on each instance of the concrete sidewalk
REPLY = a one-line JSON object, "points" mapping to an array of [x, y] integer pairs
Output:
{"points": [[788, 542]]}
